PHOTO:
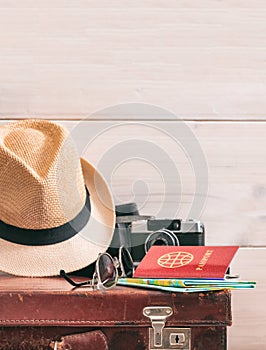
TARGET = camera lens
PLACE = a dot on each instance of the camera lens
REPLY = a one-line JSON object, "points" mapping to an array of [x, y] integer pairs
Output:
{"points": [[161, 237]]}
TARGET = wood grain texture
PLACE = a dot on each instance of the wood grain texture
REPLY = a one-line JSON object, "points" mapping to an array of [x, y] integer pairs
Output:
{"points": [[153, 164], [67, 59]]}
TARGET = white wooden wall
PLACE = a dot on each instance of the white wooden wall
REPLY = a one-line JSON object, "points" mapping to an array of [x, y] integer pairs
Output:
{"points": [[204, 61]]}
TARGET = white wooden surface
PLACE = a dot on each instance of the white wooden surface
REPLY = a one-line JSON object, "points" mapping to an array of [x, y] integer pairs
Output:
{"points": [[202, 60], [235, 152]]}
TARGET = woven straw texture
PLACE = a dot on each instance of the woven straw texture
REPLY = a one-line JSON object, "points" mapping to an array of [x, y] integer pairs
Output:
{"points": [[40, 171], [42, 185]]}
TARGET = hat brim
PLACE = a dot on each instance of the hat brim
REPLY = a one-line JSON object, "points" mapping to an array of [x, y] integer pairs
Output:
{"points": [[74, 253]]}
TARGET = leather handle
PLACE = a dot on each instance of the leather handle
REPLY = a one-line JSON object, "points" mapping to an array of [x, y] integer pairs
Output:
{"points": [[82, 341]]}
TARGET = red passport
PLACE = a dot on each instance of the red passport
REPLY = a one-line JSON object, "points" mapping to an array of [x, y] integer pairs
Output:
{"points": [[186, 262]]}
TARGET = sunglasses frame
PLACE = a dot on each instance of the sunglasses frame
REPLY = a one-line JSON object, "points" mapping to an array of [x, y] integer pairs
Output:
{"points": [[121, 265], [95, 282]]}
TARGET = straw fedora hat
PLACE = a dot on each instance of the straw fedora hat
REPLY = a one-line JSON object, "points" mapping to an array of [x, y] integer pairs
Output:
{"points": [[56, 210]]}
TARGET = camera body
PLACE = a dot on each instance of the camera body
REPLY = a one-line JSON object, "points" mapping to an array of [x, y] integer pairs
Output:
{"points": [[186, 233], [138, 232]]}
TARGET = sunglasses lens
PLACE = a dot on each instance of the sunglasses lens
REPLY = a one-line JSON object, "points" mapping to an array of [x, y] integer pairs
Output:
{"points": [[107, 271], [127, 262]]}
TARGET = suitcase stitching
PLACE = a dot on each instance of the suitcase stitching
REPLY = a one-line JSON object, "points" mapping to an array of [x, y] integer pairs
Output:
{"points": [[195, 322]]}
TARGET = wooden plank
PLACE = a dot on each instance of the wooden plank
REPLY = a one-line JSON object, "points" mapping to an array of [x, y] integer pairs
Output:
{"points": [[154, 165], [69, 59], [148, 163], [249, 308], [170, 4]]}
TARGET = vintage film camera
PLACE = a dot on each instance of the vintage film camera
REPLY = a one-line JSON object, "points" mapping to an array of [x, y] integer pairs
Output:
{"points": [[139, 232]]}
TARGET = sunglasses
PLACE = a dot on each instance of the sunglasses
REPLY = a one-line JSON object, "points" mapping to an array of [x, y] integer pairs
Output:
{"points": [[107, 270]]}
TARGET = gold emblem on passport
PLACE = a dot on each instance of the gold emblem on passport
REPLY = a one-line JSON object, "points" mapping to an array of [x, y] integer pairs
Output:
{"points": [[175, 259]]}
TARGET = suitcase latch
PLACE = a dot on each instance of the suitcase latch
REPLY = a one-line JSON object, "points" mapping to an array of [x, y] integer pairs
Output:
{"points": [[161, 337]]}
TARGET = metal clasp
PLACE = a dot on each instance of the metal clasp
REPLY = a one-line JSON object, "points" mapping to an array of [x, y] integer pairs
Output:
{"points": [[158, 316], [165, 338]]}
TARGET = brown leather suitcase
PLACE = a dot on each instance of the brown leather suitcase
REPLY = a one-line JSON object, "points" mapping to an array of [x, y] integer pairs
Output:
{"points": [[46, 313]]}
